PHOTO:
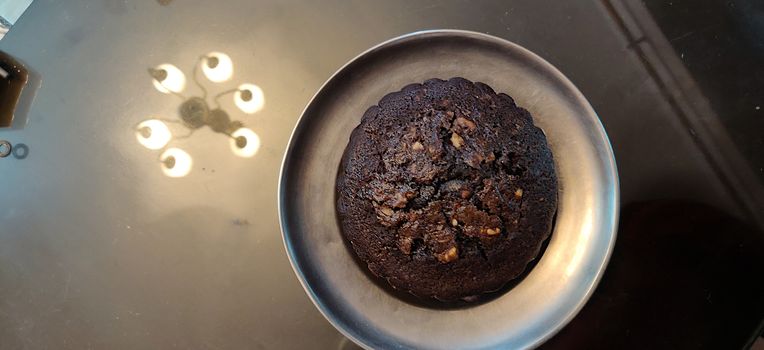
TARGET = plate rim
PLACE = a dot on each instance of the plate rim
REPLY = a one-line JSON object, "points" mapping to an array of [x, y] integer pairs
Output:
{"points": [[611, 171]]}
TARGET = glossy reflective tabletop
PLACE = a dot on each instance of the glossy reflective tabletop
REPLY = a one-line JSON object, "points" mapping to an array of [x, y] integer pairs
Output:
{"points": [[106, 243]]}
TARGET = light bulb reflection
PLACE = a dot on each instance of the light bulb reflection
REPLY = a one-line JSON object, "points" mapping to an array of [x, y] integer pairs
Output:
{"points": [[244, 143], [582, 246], [250, 98], [217, 67], [153, 134], [168, 78], [175, 162]]}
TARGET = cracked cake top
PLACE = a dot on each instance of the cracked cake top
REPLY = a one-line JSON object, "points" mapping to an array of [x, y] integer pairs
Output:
{"points": [[447, 190]]}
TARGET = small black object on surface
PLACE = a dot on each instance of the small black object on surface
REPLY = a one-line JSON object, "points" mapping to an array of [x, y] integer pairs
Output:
{"points": [[20, 151]]}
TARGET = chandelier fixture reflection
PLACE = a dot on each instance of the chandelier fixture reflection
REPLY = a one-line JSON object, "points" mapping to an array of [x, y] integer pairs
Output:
{"points": [[196, 112], [217, 67], [153, 134], [168, 78], [175, 162]]}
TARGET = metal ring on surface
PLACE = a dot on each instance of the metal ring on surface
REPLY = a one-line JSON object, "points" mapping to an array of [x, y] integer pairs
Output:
{"points": [[5, 148]]}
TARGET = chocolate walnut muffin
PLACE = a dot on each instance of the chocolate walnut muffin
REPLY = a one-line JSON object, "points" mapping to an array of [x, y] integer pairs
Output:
{"points": [[447, 189]]}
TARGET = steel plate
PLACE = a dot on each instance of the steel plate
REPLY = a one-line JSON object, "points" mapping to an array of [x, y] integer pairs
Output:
{"points": [[585, 227]]}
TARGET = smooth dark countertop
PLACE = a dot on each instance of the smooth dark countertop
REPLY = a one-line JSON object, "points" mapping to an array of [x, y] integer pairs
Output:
{"points": [[100, 249]]}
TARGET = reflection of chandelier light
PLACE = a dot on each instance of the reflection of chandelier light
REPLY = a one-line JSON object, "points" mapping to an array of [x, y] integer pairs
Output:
{"points": [[217, 67], [153, 134], [168, 78], [175, 162], [196, 112], [249, 98], [244, 142]]}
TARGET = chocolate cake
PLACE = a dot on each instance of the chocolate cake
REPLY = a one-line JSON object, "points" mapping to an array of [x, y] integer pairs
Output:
{"points": [[446, 189]]}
